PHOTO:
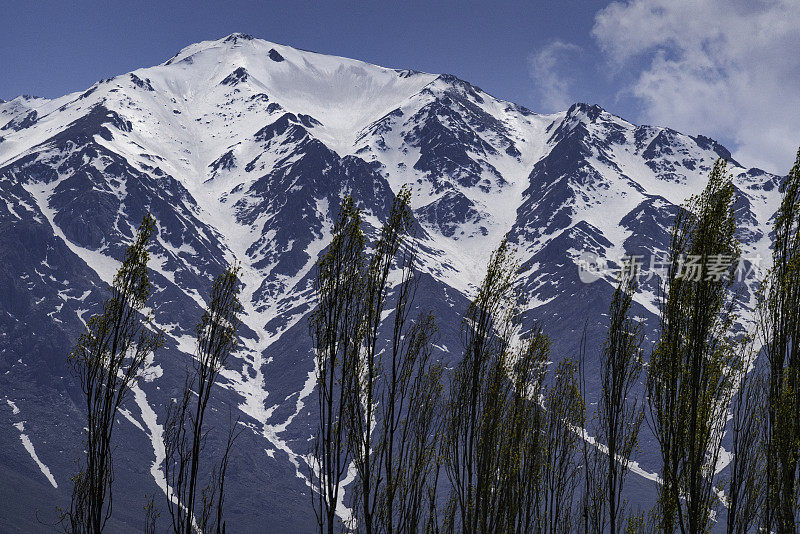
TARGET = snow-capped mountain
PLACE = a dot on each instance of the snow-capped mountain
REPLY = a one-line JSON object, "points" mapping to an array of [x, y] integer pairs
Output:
{"points": [[242, 149]]}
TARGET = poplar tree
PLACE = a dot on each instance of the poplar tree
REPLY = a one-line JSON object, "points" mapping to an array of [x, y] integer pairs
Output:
{"points": [[478, 392], [521, 454], [594, 504], [379, 396], [495, 431], [336, 331], [691, 370], [409, 429], [565, 416], [184, 432], [745, 495], [107, 360], [780, 331], [394, 400], [619, 415]]}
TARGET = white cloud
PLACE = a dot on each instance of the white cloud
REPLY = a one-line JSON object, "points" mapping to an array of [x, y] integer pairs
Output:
{"points": [[723, 68], [549, 76]]}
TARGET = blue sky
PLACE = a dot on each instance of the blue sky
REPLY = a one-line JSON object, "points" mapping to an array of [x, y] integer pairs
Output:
{"points": [[700, 66], [51, 48]]}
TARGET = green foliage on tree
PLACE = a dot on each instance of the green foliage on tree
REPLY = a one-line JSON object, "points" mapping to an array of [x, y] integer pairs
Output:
{"points": [[510, 461], [564, 420], [184, 432], [393, 403], [692, 369], [336, 328], [107, 360], [479, 391], [379, 393], [745, 487], [619, 415], [508, 440], [780, 334]]}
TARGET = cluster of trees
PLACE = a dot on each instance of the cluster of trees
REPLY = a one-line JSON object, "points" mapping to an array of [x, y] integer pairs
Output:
{"points": [[498, 442], [484, 447], [108, 359], [706, 375]]}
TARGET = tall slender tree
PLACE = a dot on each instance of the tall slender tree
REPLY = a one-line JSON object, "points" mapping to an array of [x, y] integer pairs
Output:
{"points": [[745, 495], [619, 415], [780, 334], [565, 416], [107, 360], [407, 441], [184, 432], [593, 503], [691, 371], [337, 333], [494, 434], [393, 406], [522, 451], [389, 387], [478, 392], [364, 426]]}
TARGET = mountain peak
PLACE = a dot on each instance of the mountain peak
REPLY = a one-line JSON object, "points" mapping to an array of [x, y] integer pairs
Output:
{"points": [[590, 111], [236, 37], [243, 50], [234, 41]]}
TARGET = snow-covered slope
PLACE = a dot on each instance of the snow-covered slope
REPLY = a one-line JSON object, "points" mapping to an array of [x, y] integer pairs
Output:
{"points": [[242, 149]]}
